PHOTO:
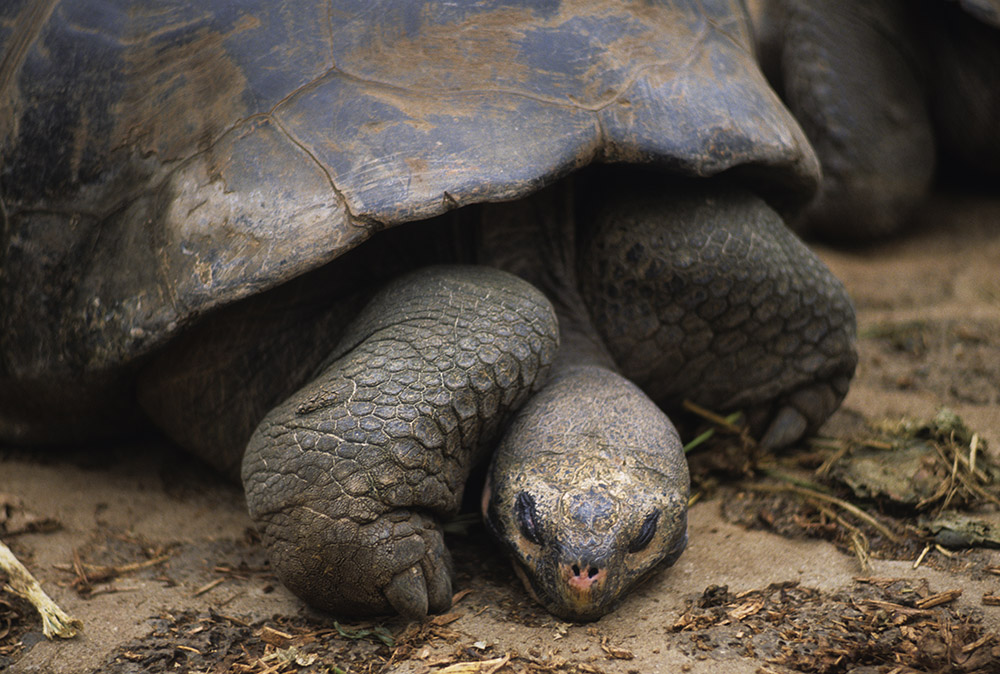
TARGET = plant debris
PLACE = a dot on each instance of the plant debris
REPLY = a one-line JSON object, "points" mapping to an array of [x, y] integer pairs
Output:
{"points": [[376, 633], [922, 465], [120, 555], [88, 575], [219, 643], [878, 622], [891, 493], [285, 645], [12, 625], [56, 623], [963, 530]]}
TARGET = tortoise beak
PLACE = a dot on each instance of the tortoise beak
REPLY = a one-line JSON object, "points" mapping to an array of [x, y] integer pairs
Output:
{"points": [[583, 590], [580, 591], [583, 587], [583, 580]]}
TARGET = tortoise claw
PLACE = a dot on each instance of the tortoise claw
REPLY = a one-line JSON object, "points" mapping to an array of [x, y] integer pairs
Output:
{"points": [[803, 412], [437, 576], [423, 588], [788, 426], [407, 592]]}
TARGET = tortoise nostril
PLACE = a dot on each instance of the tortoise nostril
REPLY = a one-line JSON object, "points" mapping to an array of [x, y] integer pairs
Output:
{"points": [[592, 571]]}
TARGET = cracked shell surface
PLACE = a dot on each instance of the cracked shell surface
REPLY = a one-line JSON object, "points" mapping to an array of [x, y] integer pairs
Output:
{"points": [[160, 162]]}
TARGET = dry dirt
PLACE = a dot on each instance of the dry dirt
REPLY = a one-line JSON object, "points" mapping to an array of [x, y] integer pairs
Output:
{"points": [[158, 559]]}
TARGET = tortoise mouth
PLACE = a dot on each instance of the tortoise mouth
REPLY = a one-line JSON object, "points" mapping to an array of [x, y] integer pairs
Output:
{"points": [[572, 602], [556, 586]]}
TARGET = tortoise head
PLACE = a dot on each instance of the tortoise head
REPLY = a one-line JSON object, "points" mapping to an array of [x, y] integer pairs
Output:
{"points": [[588, 493]]}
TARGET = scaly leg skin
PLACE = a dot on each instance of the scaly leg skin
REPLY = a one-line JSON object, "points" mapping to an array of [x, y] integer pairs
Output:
{"points": [[701, 292], [348, 479], [588, 490]]}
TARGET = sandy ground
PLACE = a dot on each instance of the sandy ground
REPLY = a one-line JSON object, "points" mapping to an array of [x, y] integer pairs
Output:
{"points": [[929, 316]]}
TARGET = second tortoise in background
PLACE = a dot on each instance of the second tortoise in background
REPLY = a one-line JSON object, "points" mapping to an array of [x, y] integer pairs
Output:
{"points": [[894, 95]]}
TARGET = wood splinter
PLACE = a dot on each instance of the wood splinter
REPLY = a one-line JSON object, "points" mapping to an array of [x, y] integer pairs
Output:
{"points": [[55, 621]]}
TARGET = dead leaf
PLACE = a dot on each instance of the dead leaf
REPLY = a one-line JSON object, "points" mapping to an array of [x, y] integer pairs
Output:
{"points": [[615, 653], [460, 595], [276, 638], [747, 609], [445, 619]]}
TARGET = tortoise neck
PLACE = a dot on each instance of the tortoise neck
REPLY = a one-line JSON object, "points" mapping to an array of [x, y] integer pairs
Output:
{"points": [[535, 238]]}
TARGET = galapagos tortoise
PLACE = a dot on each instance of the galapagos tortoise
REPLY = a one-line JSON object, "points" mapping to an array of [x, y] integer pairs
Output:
{"points": [[894, 96], [200, 204]]}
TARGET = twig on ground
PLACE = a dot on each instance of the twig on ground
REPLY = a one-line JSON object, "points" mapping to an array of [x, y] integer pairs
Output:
{"points": [[820, 496], [938, 599], [840, 451], [727, 424], [89, 574], [859, 542], [208, 586], [55, 621]]}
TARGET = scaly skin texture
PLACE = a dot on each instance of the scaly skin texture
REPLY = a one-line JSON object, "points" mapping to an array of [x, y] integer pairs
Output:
{"points": [[581, 469], [348, 478], [696, 291], [703, 293]]}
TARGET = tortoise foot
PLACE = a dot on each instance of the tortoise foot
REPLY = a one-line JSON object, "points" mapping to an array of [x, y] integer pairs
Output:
{"points": [[703, 294], [425, 587], [799, 414], [348, 478]]}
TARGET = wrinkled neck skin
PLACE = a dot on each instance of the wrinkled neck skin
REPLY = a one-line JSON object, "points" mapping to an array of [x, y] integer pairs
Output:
{"points": [[535, 239], [588, 488]]}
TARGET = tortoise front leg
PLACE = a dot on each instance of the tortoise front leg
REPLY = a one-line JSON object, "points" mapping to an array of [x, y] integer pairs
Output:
{"points": [[702, 293], [349, 478]]}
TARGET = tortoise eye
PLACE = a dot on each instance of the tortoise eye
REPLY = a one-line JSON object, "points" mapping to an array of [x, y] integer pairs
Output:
{"points": [[646, 533], [527, 517]]}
